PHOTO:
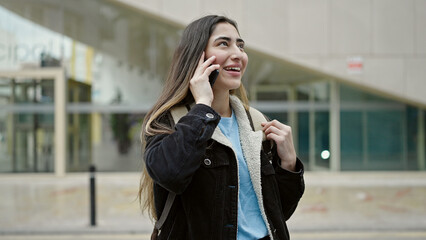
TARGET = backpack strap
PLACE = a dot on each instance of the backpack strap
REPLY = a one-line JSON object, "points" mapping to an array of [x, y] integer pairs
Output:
{"points": [[177, 113], [256, 118], [169, 202]]}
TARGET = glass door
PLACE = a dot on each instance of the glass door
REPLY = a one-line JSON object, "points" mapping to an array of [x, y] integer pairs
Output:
{"points": [[26, 126]]}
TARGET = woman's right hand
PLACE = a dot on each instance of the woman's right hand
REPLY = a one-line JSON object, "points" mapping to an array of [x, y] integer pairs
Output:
{"points": [[199, 83]]}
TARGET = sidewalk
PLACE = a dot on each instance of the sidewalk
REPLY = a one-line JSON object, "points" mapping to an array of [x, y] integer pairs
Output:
{"points": [[42, 203], [368, 201]]}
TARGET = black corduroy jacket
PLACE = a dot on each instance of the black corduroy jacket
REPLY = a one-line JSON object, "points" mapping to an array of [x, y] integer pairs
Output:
{"points": [[197, 163]]}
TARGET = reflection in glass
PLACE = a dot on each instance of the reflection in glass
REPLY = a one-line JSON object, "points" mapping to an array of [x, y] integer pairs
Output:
{"points": [[377, 133], [26, 134]]}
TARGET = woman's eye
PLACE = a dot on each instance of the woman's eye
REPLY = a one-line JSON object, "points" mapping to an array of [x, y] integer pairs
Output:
{"points": [[241, 46], [223, 44]]}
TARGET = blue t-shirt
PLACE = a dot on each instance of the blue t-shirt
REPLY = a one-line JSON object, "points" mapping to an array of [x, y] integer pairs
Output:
{"points": [[250, 222]]}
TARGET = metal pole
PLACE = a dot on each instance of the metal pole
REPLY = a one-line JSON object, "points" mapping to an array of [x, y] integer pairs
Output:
{"points": [[92, 196]]}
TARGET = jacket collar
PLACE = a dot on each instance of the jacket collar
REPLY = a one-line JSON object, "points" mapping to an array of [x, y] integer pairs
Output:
{"points": [[251, 144], [248, 138]]}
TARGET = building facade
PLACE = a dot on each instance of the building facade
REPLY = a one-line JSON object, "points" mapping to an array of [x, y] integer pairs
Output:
{"points": [[77, 77]]}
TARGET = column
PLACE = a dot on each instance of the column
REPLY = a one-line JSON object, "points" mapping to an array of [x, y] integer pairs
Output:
{"points": [[334, 126], [60, 86]]}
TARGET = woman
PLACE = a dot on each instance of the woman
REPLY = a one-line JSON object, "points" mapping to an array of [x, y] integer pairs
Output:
{"points": [[227, 186]]}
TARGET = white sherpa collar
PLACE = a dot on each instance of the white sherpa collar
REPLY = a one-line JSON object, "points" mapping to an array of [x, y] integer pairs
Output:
{"points": [[251, 144]]}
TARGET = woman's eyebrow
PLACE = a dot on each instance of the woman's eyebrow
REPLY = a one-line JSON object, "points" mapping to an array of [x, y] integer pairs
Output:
{"points": [[239, 40], [222, 38]]}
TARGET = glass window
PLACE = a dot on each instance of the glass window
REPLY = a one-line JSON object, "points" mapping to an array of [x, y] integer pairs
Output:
{"points": [[313, 122], [111, 142], [377, 133], [322, 140], [385, 140], [26, 125], [303, 138], [352, 140], [412, 137]]}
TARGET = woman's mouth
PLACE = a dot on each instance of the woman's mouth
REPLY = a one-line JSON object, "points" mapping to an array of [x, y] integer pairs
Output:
{"points": [[232, 69]]}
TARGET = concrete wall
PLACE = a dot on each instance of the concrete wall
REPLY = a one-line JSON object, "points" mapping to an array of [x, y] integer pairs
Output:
{"points": [[388, 35]]}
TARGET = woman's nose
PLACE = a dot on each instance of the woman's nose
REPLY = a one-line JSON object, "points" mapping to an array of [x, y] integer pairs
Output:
{"points": [[236, 52]]}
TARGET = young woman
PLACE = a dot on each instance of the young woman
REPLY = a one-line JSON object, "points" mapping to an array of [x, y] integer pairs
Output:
{"points": [[227, 186]]}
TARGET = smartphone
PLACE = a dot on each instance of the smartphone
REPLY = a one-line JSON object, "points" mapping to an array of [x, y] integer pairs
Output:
{"points": [[213, 76]]}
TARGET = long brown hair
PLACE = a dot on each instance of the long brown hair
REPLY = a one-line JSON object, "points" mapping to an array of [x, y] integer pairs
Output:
{"points": [[184, 63]]}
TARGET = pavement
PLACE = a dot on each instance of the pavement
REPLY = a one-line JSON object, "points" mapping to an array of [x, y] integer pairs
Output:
{"points": [[333, 235], [343, 203]]}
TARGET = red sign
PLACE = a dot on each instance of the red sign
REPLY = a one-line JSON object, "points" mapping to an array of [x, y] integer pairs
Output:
{"points": [[354, 65]]}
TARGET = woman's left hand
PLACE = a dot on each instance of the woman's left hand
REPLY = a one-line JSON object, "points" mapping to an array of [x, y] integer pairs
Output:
{"points": [[281, 134]]}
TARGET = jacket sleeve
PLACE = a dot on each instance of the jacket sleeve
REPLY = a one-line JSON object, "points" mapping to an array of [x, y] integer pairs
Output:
{"points": [[172, 159], [291, 186]]}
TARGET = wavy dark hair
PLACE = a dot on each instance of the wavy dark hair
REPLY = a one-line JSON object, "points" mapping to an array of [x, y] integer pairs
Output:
{"points": [[194, 41]]}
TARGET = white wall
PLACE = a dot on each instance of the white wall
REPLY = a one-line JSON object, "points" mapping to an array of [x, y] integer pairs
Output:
{"points": [[389, 35]]}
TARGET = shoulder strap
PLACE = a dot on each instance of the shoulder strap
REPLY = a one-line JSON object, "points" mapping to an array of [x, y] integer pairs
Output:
{"points": [[256, 118], [177, 113], [169, 202]]}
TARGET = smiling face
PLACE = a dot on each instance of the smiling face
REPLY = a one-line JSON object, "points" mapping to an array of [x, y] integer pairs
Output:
{"points": [[225, 43]]}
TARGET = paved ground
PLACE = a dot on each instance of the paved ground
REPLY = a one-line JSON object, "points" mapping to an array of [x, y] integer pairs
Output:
{"points": [[330, 235], [368, 205]]}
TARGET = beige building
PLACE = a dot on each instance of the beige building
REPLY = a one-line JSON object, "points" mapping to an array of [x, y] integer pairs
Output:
{"points": [[348, 75], [388, 37]]}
